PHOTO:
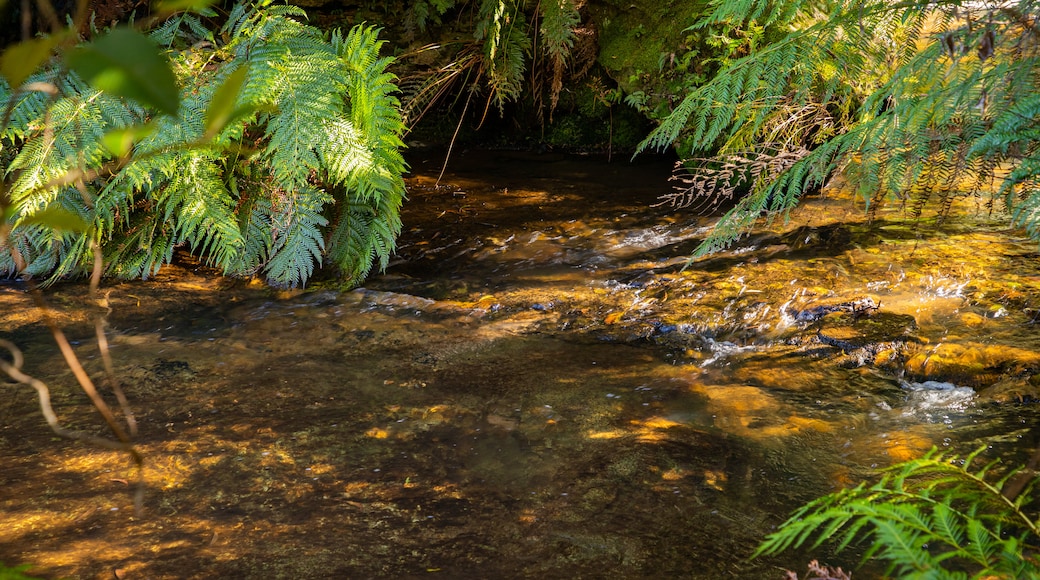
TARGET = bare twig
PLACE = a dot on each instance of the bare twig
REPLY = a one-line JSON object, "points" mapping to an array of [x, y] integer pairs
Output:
{"points": [[124, 441], [452, 143], [13, 369], [102, 340]]}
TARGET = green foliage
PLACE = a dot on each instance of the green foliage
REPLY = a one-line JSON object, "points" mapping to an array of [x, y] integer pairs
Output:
{"points": [[927, 518], [22, 59], [519, 48], [560, 18], [918, 102], [504, 37], [16, 573], [283, 153], [423, 12], [652, 51], [124, 63]]}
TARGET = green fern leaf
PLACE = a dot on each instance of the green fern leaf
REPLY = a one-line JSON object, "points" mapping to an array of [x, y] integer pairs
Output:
{"points": [[298, 242], [327, 120]]}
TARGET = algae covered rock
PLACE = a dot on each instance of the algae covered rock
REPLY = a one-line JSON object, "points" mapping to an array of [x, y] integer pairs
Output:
{"points": [[817, 310], [863, 332], [856, 325], [972, 363], [874, 332]]}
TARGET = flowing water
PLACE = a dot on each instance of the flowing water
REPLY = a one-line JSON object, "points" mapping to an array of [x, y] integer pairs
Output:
{"points": [[538, 386]]}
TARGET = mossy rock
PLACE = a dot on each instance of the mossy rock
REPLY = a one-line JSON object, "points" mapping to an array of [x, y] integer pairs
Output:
{"points": [[875, 332], [971, 364], [635, 38]]}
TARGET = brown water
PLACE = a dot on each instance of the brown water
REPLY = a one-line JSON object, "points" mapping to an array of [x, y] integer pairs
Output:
{"points": [[535, 388]]}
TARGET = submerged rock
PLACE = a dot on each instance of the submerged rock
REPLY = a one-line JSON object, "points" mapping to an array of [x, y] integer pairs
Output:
{"points": [[973, 363], [875, 332], [816, 311], [1016, 389], [875, 338], [388, 299]]}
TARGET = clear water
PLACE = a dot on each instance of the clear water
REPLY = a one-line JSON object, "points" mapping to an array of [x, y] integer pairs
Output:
{"points": [[538, 386]]}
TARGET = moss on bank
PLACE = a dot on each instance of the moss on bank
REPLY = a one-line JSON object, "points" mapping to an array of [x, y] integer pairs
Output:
{"points": [[640, 42]]}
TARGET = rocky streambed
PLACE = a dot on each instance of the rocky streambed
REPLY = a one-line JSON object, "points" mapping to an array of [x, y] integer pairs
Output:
{"points": [[539, 386]]}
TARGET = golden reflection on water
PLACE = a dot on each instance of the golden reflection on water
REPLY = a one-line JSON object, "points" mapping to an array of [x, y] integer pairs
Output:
{"points": [[554, 393]]}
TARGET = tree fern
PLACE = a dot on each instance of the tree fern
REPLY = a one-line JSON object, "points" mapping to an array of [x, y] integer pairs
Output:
{"points": [[920, 96], [932, 517], [315, 131]]}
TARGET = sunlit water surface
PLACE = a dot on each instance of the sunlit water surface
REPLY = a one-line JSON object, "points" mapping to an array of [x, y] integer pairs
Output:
{"points": [[536, 387]]}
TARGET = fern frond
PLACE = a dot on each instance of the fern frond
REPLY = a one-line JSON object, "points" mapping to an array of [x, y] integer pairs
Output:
{"points": [[258, 226], [77, 123], [423, 11], [183, 29], [363, 157], [775, 195], [743, 11], [140, 251], [371, 93], [201, 212], [1015, 124], [667, 133], [560, 18], [946, 524], [257, 196], [904, 547], [505, 38], [921, 515], [344, 152], [918, 104], [301, 77], [298, 244]]}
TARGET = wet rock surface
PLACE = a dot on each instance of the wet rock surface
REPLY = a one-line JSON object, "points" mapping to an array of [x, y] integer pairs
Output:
{"points": [[860, 308], [864, 334]]}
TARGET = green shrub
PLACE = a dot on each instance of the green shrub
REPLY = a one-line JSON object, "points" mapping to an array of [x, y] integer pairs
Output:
{"points": [[917, 102], [16, 573], [280, 154]]}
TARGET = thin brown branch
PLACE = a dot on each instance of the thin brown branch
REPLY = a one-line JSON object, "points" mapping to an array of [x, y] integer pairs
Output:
{"points": [[452, 143], [69, 354], [13, 370], [124, 442], [102, 340]]}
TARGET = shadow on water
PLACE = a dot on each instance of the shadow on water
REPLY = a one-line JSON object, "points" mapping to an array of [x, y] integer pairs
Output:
{"points": [[536, 388]]}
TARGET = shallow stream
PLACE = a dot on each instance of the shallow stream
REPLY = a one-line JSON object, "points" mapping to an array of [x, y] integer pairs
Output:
{"points": [[539, 386]]}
